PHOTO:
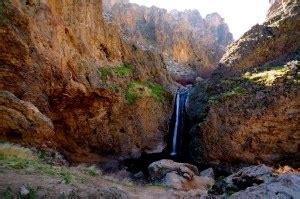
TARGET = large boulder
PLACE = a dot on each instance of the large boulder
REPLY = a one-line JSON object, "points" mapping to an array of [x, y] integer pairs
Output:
{"points": [[283, 186], [259, 182], [179, 176]]}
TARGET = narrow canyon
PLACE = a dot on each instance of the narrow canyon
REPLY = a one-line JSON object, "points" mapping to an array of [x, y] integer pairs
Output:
{"points": [[111, 99]]}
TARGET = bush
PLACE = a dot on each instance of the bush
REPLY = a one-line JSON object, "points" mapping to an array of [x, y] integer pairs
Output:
{"points": [[66, 175], [144, 89], [122, 70], [104, 72], [108, 70], [92, 171]]}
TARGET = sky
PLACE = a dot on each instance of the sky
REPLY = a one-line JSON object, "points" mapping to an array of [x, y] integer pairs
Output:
{"points": [[240, 15]]}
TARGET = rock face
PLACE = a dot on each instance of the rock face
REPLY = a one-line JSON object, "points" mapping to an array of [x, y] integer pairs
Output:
{"points": [[192, 45], [179, 176], [273, 43], [260, 182], [63, 82], [248, 110], [284, 186]]}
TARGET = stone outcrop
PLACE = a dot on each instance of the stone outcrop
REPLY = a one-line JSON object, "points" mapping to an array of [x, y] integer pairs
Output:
{"points": [[191, 45], [273, 43], [22, 120], [179, 176], [60, 73], [283, 186], [259, 181], [248, 110]]}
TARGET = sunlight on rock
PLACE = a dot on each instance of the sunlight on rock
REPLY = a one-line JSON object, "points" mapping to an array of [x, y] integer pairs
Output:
{"points": [[267, 76]]}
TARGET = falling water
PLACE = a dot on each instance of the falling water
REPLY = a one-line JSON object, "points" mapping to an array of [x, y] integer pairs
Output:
{"points": [[179, 117], [175, 133]]}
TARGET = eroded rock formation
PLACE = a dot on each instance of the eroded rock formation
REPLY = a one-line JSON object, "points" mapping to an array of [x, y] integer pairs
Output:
{"points": [[60, 73], [248, 111], [191, 45], [179, 176]]}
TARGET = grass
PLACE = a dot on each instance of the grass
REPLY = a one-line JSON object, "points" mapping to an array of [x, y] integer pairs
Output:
{"points": [[104, 72], [121, 70], [7, 149], [8, 194], [92, 171], [14, 162], [236, 91], [144, 89], [66, 176], [267, 75], [62, 196], [233, 90], [20, 158]]}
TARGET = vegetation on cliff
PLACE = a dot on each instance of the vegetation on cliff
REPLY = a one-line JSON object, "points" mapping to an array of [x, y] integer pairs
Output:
{"points": [[144, 89]]}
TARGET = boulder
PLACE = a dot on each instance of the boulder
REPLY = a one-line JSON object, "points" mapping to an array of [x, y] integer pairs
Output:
{"points": [[285, 185], [259, 182], [179, 176], [260, 172], [208, 173]]}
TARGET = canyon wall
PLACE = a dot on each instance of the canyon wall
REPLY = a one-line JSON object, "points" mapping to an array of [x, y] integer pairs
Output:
{"points": [[249, 109], [70, 81], [191, 45]]}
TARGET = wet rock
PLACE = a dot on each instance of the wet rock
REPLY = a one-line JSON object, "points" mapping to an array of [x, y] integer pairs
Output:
{"points": [[179, 176], [158, 170], [208, 173]]}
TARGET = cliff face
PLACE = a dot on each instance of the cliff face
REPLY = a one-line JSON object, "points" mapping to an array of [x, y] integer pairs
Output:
{"points": [[192, 45], [273, 43], [68, 80], [248, 110]]}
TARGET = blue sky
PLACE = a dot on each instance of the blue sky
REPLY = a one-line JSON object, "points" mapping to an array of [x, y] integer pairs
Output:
{"points": [[240, 15]]}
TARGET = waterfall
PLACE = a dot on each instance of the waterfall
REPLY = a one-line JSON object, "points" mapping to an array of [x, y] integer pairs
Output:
{"points": [[177, 124]]}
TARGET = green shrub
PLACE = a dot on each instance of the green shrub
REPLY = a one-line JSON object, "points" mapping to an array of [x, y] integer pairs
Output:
{"points": [[92, 171], [104, 72], [19, 163], [230, 92], [41, 153], [132, 91], [108, 70], [66, 175], [236, 91], [8, 194], [32, 194], [122, 69], [144, 89], [62, 196]]}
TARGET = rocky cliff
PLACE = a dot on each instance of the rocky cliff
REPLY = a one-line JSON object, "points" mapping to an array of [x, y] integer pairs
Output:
{"points": [[248, 110], [70, 81], [191, 45]]}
